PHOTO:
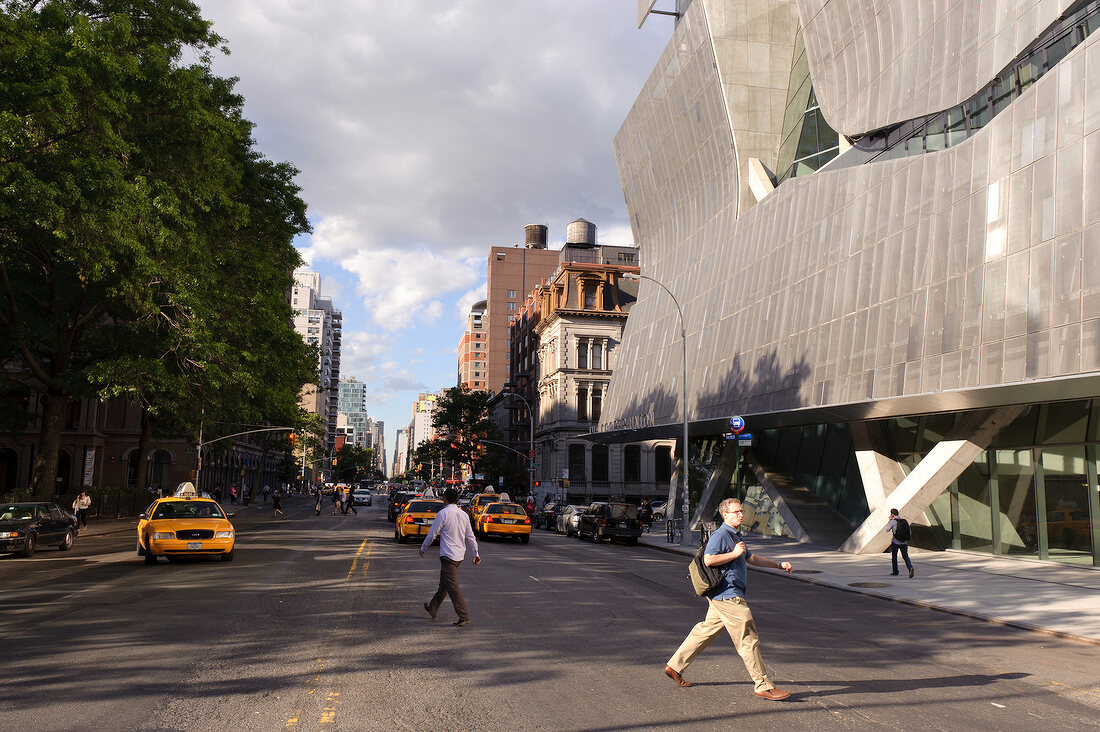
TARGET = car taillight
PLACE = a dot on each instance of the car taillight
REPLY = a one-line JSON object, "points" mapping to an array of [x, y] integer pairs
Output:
{"points": [[488, 519], [526, 520], [409, 520], [603, 522]]}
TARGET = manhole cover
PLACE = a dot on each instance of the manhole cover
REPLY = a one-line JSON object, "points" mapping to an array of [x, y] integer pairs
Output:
{"points": [[868, 585], [807, 571]]}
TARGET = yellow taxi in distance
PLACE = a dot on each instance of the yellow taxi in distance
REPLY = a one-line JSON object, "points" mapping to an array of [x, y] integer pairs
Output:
{"points": [[184, 526], [504, 519], [479, 502], [415, 519]]}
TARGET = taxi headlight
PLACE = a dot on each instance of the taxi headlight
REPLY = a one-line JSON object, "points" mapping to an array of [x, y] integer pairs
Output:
{"points": [[163, 535], [9, 534], [223, 534]]}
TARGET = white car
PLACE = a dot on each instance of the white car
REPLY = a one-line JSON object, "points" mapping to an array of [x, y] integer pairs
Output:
{"points": [[362, 496]]}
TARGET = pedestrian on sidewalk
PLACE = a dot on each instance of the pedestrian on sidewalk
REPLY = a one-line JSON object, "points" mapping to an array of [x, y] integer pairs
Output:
{"points": [[900, 532], [335, 500], [276, 504], [727, 605], [267, 490], [218, 493], [647, 515], [233, 493], [80, 507], [452, 526]]}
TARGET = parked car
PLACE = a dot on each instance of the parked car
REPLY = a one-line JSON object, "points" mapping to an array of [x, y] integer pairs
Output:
{"points": [[568, 519], [504, 519], [658, 509], [26, 526], [547, 516], [362, 496], [415, 519], [610, 521]]}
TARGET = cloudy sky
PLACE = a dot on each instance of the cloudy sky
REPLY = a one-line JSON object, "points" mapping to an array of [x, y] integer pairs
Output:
{"points": [[427, 131]]}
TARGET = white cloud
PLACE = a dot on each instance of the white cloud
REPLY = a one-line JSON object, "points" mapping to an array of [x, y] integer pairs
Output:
{"points": [[462, 307]]}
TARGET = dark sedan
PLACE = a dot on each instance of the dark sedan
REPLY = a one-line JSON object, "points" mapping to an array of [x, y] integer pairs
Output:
{"points": [[27, 526]]}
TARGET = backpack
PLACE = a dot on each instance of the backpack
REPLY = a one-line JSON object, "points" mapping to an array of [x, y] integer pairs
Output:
{"points": [[901, 529], [704, 579]]}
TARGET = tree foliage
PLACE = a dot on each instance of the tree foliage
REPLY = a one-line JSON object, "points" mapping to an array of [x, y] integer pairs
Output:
{"points": [[145, 245]]}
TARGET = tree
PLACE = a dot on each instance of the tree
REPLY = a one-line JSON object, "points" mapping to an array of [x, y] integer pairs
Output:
{"points": [[461, 418], [144, 244]]}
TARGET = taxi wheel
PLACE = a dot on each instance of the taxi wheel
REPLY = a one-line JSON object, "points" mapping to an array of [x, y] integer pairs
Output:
{"points": [[228, 556], [140, 549], [398, 536], [150, 558], [525, 539]]}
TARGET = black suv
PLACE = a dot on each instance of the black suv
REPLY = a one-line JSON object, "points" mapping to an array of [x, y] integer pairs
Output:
{"points": [[610, 521], [397, 502]]}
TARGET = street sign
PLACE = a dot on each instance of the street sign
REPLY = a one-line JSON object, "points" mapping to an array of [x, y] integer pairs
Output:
{"points": [[736, 424], [730, 436], [745, 440]]}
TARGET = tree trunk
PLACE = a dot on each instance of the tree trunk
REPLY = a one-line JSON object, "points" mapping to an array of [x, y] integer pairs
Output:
{"points": [[145, 443], [44, 482]]}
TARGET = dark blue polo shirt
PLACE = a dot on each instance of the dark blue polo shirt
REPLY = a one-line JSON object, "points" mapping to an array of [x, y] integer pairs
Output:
{"points": [[723, 541]]}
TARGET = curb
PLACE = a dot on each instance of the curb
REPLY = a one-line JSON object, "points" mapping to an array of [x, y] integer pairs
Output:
{"points": [[1019, 625]]}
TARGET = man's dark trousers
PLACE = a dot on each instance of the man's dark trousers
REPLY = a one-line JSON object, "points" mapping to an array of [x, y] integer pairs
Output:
{"points": [[904, 549], [448, 585]]}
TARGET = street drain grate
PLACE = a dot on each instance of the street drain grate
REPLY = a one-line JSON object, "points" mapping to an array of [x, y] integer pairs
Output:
{"points": [[868, 585], [807, 571]]}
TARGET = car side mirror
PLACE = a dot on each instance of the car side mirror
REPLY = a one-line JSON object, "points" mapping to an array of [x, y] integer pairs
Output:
{"points": [[143, 516], [230, 515]]}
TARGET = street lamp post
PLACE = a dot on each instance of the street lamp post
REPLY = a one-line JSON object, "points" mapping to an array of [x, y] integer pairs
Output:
{"points": [[531, 439], [685, 507]]}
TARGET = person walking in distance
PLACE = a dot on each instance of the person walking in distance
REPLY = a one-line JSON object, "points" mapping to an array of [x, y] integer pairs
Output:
{"points": [[727, 606], [277, 504], [898, 528], [452, 526], [80, 507], [320, 495]]}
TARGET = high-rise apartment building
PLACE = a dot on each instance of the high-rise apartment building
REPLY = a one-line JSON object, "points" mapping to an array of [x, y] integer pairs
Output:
{"points": [[884, 241], [400, 453], [513, 271], [473, 349], [420, 426], [320, 324], [351, 405]]}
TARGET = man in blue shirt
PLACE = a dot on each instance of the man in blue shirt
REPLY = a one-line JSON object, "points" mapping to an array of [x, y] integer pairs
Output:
{"points": [[727, 606]]}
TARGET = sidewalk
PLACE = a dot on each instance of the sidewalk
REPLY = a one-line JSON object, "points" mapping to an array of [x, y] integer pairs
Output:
{"points": [[1061, 600]]}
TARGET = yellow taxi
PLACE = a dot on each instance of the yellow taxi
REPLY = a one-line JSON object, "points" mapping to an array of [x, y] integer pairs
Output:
{"points": [[185, 525], [479, 502], [415, 519], [504, 519]]}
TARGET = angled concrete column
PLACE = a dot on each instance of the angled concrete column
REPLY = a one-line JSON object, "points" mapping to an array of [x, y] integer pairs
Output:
{"points": [[777, 498], [932, 475], [716, 485], [881, 473]]}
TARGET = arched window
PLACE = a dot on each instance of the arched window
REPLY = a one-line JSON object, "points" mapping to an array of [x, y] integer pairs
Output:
{"points": [[662, 466]]}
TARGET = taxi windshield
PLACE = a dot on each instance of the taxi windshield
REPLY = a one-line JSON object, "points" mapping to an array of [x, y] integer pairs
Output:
{"points": [[505, 508], [424, 506], [188, 510]]}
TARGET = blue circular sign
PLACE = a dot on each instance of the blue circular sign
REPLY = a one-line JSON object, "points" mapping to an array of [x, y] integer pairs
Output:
{"points": [[736, 424]]}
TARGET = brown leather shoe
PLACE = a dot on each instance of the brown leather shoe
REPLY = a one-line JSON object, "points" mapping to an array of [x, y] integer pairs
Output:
{"points": [[675, 676], [428, 609], [773, 694]]}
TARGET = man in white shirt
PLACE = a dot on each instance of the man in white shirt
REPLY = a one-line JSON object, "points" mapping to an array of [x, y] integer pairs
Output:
{"points": [[452, 526]]}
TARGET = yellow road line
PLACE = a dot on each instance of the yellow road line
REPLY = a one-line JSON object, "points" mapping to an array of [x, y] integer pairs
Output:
{"points": [[355, 559]]}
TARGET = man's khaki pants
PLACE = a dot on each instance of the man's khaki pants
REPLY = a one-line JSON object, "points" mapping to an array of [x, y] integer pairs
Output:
{"points": [[733, 615]]}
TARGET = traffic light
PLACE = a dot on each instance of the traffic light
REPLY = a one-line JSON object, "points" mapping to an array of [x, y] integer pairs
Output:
{"points": [[538, 483], [334, 462]]}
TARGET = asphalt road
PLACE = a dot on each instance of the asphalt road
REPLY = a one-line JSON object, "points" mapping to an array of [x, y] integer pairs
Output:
{"points": [[318, 625]]}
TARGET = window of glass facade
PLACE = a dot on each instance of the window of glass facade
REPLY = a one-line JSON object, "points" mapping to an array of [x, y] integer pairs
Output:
{"points": [[662, 464]]}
